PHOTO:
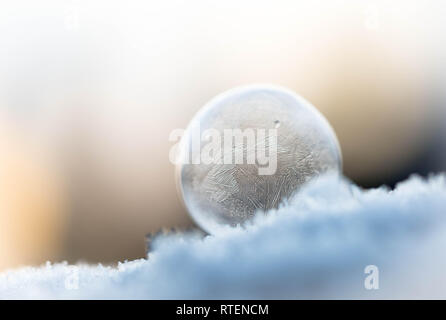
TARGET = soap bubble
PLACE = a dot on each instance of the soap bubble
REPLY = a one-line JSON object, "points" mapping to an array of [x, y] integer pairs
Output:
{"points": [[248, 150]]}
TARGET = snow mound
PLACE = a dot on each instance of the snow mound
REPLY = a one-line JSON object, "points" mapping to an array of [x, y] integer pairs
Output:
{"points": [[315, 246]]}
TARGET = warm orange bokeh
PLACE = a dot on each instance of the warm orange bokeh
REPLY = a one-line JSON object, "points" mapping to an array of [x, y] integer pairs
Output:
{"points": [[31, 215]]}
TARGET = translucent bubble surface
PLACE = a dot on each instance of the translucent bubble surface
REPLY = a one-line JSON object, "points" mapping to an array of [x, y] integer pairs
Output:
{"points": [[248, 150]]}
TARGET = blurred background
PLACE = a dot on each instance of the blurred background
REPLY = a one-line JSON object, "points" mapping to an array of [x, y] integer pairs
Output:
{"points": [[90, 91]]}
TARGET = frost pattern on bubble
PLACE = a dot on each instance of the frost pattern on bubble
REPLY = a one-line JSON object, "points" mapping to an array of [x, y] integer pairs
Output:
{"points": [[220, 194]]}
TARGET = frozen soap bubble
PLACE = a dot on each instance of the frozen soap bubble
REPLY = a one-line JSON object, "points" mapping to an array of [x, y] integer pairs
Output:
{"points": [[248, 150]]}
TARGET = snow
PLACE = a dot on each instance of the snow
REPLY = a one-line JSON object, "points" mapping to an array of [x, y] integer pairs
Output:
{"points": [[316, 246]]}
